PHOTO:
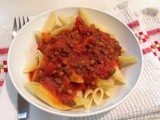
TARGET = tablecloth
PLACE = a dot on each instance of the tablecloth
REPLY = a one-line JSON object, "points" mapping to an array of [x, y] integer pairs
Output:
{"points": [[144, 101]]}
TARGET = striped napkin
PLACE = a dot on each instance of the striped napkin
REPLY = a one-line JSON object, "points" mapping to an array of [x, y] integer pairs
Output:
{"points": [[144, 101], [5, 40]]}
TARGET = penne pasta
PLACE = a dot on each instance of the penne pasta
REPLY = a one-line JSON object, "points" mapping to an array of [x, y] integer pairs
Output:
{"points": [[31, 65], [40, 57], [126, 60], [51, 23], [58, 22], [79, 93], [74, 77], [88, 95], [63, 28], [35, 75], [88, 21], [101, 27], [45, 95], [105, 84], [84, 15], [66, 20], [37, 36], [80, 101], [98, 95], [123, 51], [109, 92], [118, 76]]}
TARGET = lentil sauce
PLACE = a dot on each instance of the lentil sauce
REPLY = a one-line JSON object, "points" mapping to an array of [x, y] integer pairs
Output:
{"points": [[85, 50]]}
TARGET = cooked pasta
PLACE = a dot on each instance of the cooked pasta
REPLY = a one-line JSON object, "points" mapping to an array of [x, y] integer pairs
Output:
{"points": [[118, 76], [37, 36], [108, 92], [105, 84], [74, 77], [79, 93], [31, 65], [88, 95], [84, 15], [98, 95], [38, 90], [80, 101], [66, 20], [50, 23], [40, 57], [126, 60], [66, 27], [77, 63]]}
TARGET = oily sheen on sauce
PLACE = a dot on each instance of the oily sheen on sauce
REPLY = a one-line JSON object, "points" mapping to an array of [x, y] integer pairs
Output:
{"points": [[84, 51]]}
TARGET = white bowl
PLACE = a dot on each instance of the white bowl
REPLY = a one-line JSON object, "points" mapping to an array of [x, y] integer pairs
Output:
{"points": [[24, 47]]}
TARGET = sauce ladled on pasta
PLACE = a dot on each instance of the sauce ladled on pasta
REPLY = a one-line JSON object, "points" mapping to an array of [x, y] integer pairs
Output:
{"points": [[77, 64]]}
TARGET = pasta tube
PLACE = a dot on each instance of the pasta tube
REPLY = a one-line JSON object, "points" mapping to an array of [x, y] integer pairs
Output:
{"points": [[66, 20], [40, 57], [105, 84], [118, 76], [79, 93], [51, 23], [58, 22], [37, 36], [101, 27], [88, 21], [45, 95], [126, 60], [30, 65], [84, 15], [108, 92], [80, 101], [74, 77], [98, 95], [63, 28], [88, 95]]}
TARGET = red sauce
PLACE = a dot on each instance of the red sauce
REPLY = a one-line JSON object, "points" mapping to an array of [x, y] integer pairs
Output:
{"points": [[31, 74], [85, 50]]}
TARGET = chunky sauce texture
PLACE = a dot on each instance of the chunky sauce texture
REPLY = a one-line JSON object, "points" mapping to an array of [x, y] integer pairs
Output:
{"points": [[84, 51]]}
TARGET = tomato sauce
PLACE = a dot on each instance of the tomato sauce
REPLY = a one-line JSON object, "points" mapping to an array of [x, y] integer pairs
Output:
{"points": [[85, 50]]}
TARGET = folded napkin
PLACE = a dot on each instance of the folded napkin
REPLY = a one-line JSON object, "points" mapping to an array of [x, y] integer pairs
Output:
{"points": [[144, 101]]}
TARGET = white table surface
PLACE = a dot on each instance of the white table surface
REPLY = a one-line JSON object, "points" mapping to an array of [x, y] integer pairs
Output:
{"points": [[11, 8]]}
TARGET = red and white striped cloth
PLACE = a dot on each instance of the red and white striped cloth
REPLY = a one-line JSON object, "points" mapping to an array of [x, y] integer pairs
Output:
{"points": [[144, 101], [5, 40]]}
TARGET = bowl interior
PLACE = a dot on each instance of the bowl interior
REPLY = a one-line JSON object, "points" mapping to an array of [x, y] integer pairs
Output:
{"points": [[24, 48]]}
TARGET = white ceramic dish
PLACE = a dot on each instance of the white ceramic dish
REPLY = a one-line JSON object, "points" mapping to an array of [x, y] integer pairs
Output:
{"points": [[24, 47]]}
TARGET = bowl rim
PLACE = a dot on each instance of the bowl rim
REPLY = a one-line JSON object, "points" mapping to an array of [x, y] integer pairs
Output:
{"points": [[87, 113]]}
